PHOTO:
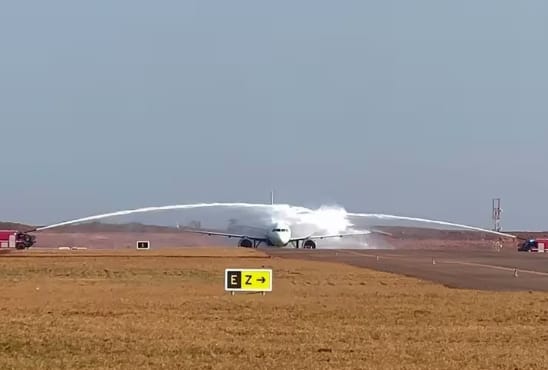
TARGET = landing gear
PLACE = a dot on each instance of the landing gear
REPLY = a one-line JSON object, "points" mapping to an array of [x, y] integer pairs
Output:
{"points": [[309, 244], [249, 243], [306, 244]]}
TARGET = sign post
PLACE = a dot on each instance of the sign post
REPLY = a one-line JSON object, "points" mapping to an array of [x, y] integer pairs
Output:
{"points": [[248, 280]]}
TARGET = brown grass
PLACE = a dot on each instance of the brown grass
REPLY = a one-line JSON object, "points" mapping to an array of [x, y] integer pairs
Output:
{"points": [[127, 312]]}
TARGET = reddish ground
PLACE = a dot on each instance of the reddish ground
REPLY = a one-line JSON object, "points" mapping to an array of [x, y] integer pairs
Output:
{"points": [[101, 236], [109, 240], [402, 239]]}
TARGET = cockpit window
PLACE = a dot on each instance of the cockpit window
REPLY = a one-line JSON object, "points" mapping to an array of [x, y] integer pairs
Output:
{"points": [[280, 230]]}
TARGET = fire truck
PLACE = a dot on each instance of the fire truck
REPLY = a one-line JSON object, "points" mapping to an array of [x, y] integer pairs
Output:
{"points": [[16, 239], [534, 245]]}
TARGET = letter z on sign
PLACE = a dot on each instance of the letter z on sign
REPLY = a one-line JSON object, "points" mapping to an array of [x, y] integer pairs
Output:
{"points": [[249, 280]]}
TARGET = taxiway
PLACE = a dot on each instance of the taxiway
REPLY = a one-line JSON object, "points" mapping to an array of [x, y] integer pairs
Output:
{"points": [[468, 269]]}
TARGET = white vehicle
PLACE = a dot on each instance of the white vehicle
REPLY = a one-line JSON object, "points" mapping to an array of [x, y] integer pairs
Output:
{"points": [[279, 235]]}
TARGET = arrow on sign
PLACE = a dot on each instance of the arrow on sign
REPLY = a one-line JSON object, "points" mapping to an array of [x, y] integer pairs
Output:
{"points": [[262, 280]]}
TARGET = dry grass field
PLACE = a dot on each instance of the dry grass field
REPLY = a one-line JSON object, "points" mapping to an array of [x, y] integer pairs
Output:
{"points": [[151, 309]]}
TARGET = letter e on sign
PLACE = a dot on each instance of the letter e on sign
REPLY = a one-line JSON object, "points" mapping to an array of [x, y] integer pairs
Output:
{"points": [[233, 280]]}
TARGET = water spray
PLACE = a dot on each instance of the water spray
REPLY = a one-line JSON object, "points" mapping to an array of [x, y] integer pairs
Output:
{"points": [[154, 209], [425, 220], [328, 219]]}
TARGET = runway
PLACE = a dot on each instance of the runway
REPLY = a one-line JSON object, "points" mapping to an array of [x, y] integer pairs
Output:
{"points": [[465, 269]]}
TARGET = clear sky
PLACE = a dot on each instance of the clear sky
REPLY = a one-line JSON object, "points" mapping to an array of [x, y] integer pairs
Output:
{"points": [[418, 108]]}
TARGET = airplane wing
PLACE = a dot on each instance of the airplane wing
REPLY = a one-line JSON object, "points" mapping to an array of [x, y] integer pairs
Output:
{"points": [[341, 235], [219, 233]]}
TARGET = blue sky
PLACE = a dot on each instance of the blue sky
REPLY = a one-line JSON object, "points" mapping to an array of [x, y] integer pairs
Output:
{"points": [[417, 108]]}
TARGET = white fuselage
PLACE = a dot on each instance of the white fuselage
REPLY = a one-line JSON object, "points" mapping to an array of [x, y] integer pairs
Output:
{"points": [[279, 234]]}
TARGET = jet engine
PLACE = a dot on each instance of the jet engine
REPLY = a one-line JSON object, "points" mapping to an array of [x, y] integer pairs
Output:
{"points": [[245, 243], [309, 244]]}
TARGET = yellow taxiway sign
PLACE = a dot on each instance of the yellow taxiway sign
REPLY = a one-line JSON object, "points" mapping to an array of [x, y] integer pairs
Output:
{"points": [[248, 280]]}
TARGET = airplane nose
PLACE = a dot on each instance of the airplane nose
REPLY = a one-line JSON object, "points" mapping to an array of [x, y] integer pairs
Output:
{"points": [[280, 239]]}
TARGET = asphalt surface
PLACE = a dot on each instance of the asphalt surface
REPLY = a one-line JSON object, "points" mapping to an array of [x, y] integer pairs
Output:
{"points": [[507, 270]]}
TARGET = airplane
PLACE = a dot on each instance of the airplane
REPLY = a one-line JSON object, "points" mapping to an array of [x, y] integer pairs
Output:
{"points": [[279, 235]]}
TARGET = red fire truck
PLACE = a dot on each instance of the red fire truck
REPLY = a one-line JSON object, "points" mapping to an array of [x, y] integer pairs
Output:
{"points": [[534, 245], [16, 239]]}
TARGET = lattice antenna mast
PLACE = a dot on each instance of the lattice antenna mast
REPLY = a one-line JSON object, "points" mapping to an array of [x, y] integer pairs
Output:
{"points": [[497, 212]]}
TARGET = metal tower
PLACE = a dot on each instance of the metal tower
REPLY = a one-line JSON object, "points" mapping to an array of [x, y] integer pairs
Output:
{"points": [[497, 211]]}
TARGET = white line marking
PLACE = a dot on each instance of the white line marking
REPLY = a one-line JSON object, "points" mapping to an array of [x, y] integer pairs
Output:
{"points": [[495, 267]]}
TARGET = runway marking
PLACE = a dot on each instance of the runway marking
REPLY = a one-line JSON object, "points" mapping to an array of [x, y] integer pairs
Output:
{"points": [[495, 267], [385, 256], [353, 253]]}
